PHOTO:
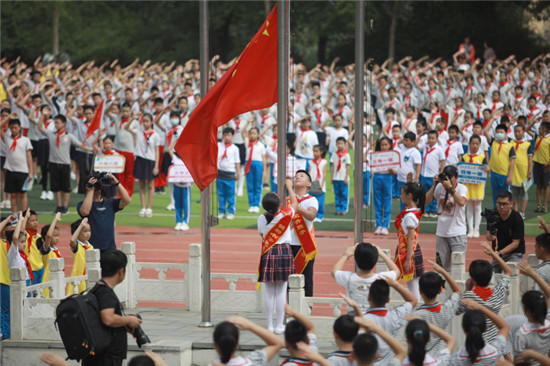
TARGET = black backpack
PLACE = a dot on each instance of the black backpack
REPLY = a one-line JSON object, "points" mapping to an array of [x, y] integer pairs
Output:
{"points": [[79, 323]]}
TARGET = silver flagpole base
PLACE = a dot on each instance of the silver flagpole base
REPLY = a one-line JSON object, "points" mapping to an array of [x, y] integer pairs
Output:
{"points": [[205, 325]]}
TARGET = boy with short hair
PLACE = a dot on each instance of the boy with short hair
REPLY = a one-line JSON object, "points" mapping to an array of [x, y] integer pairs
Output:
{"points": [[541, 166], [366, 345], [523, 169], [433, 164], [431, 285], [503, 158], [396, 144], [344, 331], [542, 250], [340, 163], [358, 283], [443, 135], [299, 330], [34, 248], [411, 163], [477, 288], [229, 162], [305, 139], [333, 133], [453, 149]]}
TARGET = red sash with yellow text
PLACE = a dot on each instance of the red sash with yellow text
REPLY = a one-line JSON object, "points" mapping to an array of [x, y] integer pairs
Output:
{"points": [[308, 249], [401, 254]]}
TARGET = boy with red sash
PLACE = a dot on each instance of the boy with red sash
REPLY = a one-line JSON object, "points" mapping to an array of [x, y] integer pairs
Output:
{"points": [[302, 234], [277, 261]]}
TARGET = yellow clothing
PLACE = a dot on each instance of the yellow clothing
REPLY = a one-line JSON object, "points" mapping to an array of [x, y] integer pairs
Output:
{"points": [[79, 266], [542, 152], [500, 157], [3, 94], [521, 168], [4, 265], [54, 253], [32, 251], [475, 191]]}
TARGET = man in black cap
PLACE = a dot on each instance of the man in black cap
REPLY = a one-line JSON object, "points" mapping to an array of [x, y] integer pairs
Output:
{"points": [[451, 222]]}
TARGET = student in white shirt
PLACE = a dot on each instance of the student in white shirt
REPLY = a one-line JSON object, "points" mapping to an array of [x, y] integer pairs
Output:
{"points": [[433, 164], [453, 150], [340, 165], [411, 162], [334, 132], [305, 139], [318, 172], [228, 172], [146, 165]]}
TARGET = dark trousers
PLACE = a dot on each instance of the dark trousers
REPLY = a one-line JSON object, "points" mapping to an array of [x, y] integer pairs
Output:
{"points": [[84, 169], [101, 361], [308, 272]]}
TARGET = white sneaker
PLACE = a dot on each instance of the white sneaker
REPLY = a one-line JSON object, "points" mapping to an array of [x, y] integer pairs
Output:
{"points": [[148, 212], [476, 234], [251, 209], [73, 176], [384, 231], [221, 216], [170, 207], [184, 226], [142, 212], [377, 231], [470, 234], [230, 216], [178, 226], [3, 204], [7, 204], [317, 220], [271, 329], [280, 330], [256, 209], [44, 195], [50, 196]]}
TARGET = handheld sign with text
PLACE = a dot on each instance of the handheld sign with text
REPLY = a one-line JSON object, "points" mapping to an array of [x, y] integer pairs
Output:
{"points": [[471, 173], [109, 163], [381, 161], [178, 173]]}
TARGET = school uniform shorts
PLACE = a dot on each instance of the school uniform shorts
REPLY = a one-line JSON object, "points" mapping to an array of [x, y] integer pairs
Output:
{"points": [[60, 177], [540, 177], [43, 151], [519, 193], [15, 181]]}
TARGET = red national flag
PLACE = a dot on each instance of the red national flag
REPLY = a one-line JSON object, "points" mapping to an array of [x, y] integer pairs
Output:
{"points": [[96, 122], [249, 84]]}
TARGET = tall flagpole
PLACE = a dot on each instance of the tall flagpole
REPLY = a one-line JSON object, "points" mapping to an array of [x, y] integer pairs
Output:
{"points": [[359, 90], [205, 195], [283, 51]]}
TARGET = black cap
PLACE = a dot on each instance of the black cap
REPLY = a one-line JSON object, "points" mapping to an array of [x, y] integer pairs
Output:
{"points": [[451, 171]]}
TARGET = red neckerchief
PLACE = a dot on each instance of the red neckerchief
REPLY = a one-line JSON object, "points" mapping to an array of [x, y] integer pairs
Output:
{"points": [[183, 115], [434, 308], [388, 129], [59, 133], [31, 234], [521, 82], [395, 142], [249, 162], [538, 143], [340, 110], [14, 143], [431, 92], [297, 361], [516, 101], [502, 83], [469, 90], [478, 112], [274, 147], [303, 198], [301, 133], [483, 292], [432, 118], [500, 145], [122, 122], [318, 115], [531, 112], [170, 135], [317, 163], [378, 311], [237, 123], [340, 155], [407, 101], [457, 110], [147, 135], [518, 143], [264, 118], [57, 253], [227, 146], [428, 151], [47, 123], [108, 152], [449, 144], [298, 98], [472, 156], [27, 264]]}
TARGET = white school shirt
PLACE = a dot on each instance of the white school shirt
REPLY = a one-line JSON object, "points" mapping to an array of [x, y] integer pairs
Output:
{"points": [[264, 227], [322, 170], [307, 202], [459, 113], [333, 134], [111, 124], [254, 358], [61, 154], [533, 336], [432, 161], [164, 122], [422, 142], [366, 163], [232, 157], [441, 359], [443, 138], [257, 153], [124, 140], [15, 260], [16, 160], [48, 126], [341, 173], [237, 124], [264, 123], [409, 158], [146, 149], [455, 149], [410, 221], [305, 140], [318, 119], [33, 126], [80, 131], [345, 112], [487, 355], [452, 220]]}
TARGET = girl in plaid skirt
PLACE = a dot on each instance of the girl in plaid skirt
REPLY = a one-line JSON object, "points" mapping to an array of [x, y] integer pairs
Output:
{"points": [[277, 262]]}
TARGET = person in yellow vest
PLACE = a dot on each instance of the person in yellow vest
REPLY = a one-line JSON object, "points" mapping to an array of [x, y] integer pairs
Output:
{"points": [[503, 158], [50, 233], [80, 230], [541, 165], [523, 169], [476, 192], [5, 278], [34, 248]]}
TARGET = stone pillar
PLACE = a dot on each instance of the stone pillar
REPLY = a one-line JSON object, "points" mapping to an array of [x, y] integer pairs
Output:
{"points": [[193, 278], [514, 294], [296, 293], [129, 248], [18, 295], [458, 265], [57, 276], [93, 267]]}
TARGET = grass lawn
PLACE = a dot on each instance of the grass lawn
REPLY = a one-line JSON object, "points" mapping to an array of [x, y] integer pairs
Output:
{"points": [[163, 218]]}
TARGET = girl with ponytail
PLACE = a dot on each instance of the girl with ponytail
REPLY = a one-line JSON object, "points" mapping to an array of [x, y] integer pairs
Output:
{"points": [[417, 333], [277, 261], [226, 340], [475, 350], [534, 333], [408, 254]]}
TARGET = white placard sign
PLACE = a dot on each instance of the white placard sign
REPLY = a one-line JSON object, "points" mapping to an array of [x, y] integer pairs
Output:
{"points": [[109, 163], [381, 161], [471, 173], [178, 173], [293, 164]]}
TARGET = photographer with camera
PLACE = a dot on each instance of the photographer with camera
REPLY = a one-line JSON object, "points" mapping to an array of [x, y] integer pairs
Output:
{"points": [[113, 272], [451, 222], [101, 212], [505, 229]]}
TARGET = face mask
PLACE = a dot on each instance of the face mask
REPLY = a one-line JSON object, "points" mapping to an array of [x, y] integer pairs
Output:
{"points": [[175, 122], [317, 106], [500, 136]]}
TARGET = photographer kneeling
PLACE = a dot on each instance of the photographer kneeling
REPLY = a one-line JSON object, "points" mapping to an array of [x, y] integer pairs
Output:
{"points": [[450, 196], [113, 271], [507, 232]]}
